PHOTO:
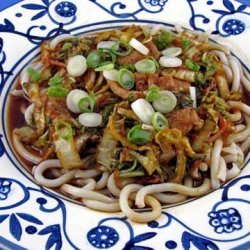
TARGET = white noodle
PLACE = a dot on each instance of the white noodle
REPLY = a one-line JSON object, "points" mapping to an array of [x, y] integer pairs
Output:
{"points": [[242, 136], [230, 158], [102, 206], [102, 183], [87, 184], [229, 73], [112, 186], [222, 171], [245, 145], [171, 187], [236, 74], [215, 163], [222, 56], [39, 170], [86, 194], [245, 81], [240, 105], [136, 216], [86, 173], [174, 198], [240, 127], [233, 172], [24, 152]]}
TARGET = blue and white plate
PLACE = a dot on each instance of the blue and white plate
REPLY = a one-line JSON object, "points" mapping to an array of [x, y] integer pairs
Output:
{"points": [[34, 218]]}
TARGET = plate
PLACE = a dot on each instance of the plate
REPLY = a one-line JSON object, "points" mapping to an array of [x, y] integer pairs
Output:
{"points": [[35, 218]]}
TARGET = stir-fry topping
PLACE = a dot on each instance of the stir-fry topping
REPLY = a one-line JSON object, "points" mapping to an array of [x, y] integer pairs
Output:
{"points": [[137, 106]]}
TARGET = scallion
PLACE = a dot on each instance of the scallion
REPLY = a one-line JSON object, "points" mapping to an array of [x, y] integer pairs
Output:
{"points": [[107, 55], [138, 135], [57, 91], [126, 78], [131, 174], [164, 38], [192, 65], [66, 46], [166, 102], [87, 104], [63, 130], [159, 121], [146, 66], [121, 48], [33, 74], [185, 43], [152, 93], [105, 66], [55, 80], [93, 59]]}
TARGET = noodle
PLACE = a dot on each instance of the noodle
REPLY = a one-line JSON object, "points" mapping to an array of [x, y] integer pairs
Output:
{"points": [[86, 194], [39, 170], [236, 74], [170, 187], [215, 163], [136, 216], [91, 120]]}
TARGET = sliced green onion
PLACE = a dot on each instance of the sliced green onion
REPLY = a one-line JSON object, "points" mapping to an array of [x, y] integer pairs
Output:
{"points": [[121, 48], [131, 168], [33, 74], [64, 130], [55, 80], [138, 135], [106, 55], [192, 65], [146, 66], [66, 46], [126, 78], [159, 121], [164, 39], [93, 59], [172, 51], [57, 91], [152, 93], [185, 43], [87, 104], [135, 173], [165, 36], [166, 102], [105, 66]]}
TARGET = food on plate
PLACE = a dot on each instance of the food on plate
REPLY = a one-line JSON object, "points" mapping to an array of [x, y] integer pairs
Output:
{"points": [[132, 117]]}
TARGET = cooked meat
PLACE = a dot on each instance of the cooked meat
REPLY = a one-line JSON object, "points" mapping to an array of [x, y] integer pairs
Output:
{"points": [[56, 108], [153, 50], [167, 82], [185, 119], [132, 58], [136, 56], [181, 86], [143, 81]]}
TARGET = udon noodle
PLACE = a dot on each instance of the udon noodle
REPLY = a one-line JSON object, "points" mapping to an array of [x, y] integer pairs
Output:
{"points": [[133, 117]]}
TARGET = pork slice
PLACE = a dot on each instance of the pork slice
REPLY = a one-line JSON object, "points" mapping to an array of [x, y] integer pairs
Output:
{"points": [[153, 50], [185, 120], [167, 82], [143, 81], [56, 108], [132, 58]]}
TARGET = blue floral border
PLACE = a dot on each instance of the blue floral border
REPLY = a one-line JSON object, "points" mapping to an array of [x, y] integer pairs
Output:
{"points": [[222, 218]]}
